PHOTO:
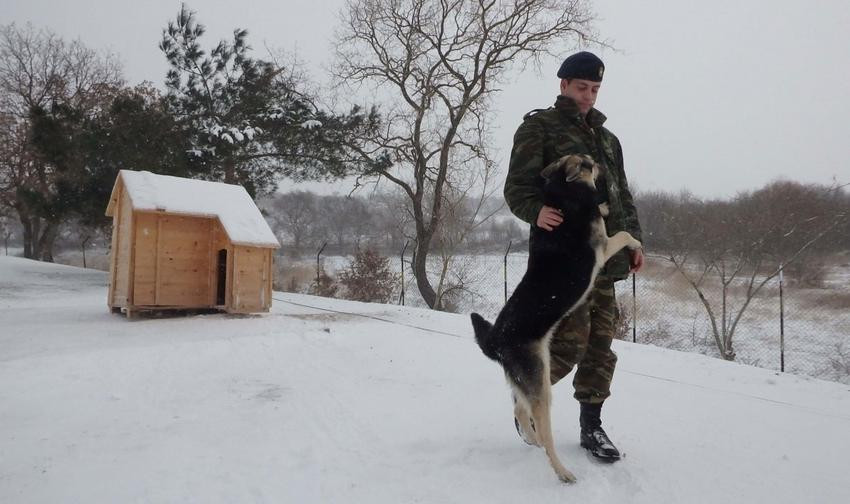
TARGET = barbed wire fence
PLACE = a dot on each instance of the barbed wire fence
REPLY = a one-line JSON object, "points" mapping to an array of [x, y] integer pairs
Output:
{"points": [[787, 326]]}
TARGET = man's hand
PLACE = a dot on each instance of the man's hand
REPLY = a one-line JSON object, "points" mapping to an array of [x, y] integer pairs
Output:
{"points": [[636, 260], [549, 218]]}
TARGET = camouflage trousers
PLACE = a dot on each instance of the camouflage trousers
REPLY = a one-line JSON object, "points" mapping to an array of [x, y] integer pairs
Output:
{"points": [[584, 339]]}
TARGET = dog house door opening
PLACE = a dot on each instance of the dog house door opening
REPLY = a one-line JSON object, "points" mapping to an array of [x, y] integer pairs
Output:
{"points": [[221, 285]]}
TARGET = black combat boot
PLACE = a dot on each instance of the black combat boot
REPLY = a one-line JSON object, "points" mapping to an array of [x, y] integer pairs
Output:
{"points": [[593, 438]]}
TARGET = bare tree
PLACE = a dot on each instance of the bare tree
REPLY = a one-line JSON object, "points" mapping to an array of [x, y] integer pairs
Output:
{"points": [[77, 235], [295, 214], [441, 62], [6, 230], [39, 70], [346, 219], [394, 219], [464, 212], [745, 244]]}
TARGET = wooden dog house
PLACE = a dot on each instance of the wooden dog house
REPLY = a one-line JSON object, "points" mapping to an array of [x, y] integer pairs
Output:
{"points": [[187, 244]]}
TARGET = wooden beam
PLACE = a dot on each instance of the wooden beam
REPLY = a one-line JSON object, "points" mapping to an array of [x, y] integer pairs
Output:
{"points": [[157, 265], [131, 272], [113, 254]]}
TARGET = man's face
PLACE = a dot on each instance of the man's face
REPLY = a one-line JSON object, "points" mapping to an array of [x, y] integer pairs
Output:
{"points": [[583, 92]]}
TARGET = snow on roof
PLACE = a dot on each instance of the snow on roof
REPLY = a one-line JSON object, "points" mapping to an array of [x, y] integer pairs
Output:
{"points": [[240, 217]]}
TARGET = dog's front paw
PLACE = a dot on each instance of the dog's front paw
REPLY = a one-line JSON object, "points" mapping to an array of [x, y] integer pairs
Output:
{"points": [[634, 245], [603, 209]]}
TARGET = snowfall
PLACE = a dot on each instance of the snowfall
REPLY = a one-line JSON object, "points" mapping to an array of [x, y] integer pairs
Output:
{"points": [[330, 401]]}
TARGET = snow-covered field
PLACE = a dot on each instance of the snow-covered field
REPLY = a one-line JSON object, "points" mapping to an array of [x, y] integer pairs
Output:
{"points": [[333, 401], [671, 315]]}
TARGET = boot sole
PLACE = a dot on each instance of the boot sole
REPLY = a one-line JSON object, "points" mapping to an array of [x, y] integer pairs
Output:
{"points": [[599, 458]]}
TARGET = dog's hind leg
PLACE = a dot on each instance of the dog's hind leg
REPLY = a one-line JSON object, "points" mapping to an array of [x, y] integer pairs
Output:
{"points": [[539, 397], [541, 411], [527, 371]]}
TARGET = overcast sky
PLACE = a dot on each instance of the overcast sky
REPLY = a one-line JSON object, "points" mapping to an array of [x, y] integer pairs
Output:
{"points": [[713, 97]]}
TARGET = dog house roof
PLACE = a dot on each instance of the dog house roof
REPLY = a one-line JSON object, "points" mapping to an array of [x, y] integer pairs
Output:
{"points": [[240, 217]]}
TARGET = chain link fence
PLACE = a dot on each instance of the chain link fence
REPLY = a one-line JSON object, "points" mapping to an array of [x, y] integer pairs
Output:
{"points": [[787, 326]]}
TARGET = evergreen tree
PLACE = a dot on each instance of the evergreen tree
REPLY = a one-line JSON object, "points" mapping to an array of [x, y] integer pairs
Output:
{"points": [[137, 132], [248, 120], [369, 278], [55, 195], [85, 152]]}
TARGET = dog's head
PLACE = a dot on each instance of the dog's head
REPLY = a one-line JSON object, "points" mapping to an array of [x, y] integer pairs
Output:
{"points": [[572, 168]]}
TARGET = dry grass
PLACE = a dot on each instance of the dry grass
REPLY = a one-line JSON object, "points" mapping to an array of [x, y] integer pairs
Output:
{"points": [[293, 277], [656, 267], [830, 299], [95, 258], [623, 325]]}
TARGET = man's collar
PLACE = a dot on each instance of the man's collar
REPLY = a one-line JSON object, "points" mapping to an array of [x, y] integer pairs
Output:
{"points": [[568, 106]]}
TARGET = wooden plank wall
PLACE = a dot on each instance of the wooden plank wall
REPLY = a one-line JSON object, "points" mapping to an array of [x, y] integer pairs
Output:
{"points": [[251, 279], [269, 278], [147, 234], [183, 261], [123, 251], [168, 260]]}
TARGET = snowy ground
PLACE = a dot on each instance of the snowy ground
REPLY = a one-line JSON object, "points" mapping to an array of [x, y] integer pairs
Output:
{"points": [[671, 315], [379, 404]]}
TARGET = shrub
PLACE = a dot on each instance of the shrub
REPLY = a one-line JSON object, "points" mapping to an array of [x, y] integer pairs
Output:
{"points": [[368, 278], [807, 273], [293, 277], [326, 286]]}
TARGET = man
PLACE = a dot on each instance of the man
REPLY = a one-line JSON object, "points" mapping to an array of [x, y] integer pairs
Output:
{"points": [[573, 126]]}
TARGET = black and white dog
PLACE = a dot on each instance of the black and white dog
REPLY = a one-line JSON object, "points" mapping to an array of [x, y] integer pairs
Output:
{"points": [[563, 264]]}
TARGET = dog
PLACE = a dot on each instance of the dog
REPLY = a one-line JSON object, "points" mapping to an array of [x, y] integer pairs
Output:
{"points": [[563, 264]]}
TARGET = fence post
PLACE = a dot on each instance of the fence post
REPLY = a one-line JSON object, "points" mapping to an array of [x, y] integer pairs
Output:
{"points": [[510, 242], [402, 271], [84, 251], [318, 266], [634, 307], [781, 322]]}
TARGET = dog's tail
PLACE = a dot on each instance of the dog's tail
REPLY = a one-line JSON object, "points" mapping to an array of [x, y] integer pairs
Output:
{"points": [[483, 337]]}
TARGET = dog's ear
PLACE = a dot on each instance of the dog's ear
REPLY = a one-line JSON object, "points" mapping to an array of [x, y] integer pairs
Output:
{"points": [[572, 168], [569, 166], [551, 169], [572, 173]]}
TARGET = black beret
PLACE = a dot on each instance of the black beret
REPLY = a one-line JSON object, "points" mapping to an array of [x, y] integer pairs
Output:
{"points": [[582, 65]]}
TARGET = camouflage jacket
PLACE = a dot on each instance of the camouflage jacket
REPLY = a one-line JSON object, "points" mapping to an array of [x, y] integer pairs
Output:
{"points": [[546, 135]]}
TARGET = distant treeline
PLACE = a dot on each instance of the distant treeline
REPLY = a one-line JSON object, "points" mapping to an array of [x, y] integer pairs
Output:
{"points": [[304, 221], [780, 216]]}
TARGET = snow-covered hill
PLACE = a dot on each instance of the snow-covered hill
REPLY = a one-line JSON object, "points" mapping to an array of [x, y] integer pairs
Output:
{"points": [[333, 401]]}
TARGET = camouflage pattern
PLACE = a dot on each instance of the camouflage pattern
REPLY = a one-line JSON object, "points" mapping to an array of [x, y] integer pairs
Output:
{"points": [[584, 339], [546, 135]]}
